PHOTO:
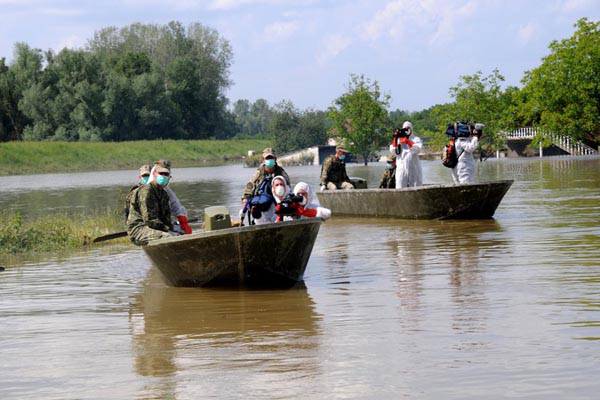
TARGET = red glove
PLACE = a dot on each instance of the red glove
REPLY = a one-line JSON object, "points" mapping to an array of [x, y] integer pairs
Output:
{"points": [[407, 141], [183, 222]]}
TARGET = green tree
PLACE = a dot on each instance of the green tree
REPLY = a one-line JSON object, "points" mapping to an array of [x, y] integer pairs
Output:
{"points": [[360, 116], [562, 95], [14, 80], [479, 98]]}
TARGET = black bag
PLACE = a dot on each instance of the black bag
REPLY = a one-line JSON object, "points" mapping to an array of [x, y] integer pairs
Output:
{"points": [[449, 157]]}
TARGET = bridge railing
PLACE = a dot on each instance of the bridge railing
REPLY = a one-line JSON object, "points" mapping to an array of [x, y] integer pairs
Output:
{"points": [[573, 147]]}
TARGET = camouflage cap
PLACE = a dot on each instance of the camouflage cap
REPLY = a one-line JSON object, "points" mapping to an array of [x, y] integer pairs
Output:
{"points": [[163, 166], [145, 169], [341, 148], [268, 152]]}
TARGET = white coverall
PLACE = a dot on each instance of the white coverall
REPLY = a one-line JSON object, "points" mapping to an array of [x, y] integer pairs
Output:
{"points": [[464, 172], [408, 165]]}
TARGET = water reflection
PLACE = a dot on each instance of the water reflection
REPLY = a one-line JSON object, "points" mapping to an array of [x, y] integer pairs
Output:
{"points": [[214, 331]]}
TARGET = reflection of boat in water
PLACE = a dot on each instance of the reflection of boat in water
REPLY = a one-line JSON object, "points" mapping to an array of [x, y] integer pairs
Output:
{"points": [[258, 255], [469, 201], [224, 327]]}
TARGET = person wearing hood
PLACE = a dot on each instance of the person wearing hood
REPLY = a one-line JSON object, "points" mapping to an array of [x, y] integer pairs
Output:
{"points": [[407, 147], [143, 177], [150, 214], [388, 179], [333, 171], [465, 169], [279, 190], [309, 206]]}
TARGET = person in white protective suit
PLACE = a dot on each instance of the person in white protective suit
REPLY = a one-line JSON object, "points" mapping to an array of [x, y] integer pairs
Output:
{"points": [[406, 146], [309, 207], [465, 170]]}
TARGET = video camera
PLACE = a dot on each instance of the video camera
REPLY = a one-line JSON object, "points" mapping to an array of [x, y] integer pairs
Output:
{"points": [[464, 129], [401, 132]]}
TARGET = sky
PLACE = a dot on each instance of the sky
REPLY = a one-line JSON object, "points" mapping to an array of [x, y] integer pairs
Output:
{"points": [[305, 50]]}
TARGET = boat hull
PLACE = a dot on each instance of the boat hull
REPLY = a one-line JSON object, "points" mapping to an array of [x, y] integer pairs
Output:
{"points": [[258, 255], [469, 201]]}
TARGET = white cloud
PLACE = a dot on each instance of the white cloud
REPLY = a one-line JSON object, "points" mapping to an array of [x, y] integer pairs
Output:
{"points": [[437, 18], [331, 47], [577, 5], [280, 30], [527, 32], [61, 12]]}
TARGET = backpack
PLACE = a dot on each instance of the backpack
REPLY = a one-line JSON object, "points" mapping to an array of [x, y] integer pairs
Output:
{"points": [[449, 157], [263, 198]]}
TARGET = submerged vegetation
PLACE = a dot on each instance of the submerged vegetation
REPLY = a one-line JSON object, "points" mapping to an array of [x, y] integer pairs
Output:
{"points": [[41, 157], [53, 233]]}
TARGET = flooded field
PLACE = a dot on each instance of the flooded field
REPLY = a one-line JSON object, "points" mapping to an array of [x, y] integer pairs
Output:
{"points": [[389, 309]]}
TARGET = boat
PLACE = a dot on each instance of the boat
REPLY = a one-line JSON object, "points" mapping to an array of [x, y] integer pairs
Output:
{"points": [[271, 255], [465, 201]]}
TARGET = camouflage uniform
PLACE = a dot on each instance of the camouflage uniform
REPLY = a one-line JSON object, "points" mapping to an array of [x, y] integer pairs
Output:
{"points": [[149, 215], [388, 180], [129, 199], [333, 174], [261, 174]]}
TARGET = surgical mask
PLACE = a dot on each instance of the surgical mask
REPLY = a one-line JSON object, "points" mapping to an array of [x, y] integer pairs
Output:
{"points": [[279, 191], [342, 157], [270, 163], [144, 180], [304, 200], [162, 180]]}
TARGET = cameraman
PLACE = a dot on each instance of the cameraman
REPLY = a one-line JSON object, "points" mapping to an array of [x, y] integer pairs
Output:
{"points": [[407, 147], [466, 144]]}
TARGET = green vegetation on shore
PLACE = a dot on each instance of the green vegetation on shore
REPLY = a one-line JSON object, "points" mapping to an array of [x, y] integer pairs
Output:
{"points": [[44, 157], [52, 233]]}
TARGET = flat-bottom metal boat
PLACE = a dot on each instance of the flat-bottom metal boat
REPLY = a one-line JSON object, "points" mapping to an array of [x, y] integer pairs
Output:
{"points": [[258, 255], [468, 201]]}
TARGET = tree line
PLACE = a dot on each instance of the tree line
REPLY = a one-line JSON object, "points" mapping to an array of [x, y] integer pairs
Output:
{"points": [[168, 82]]}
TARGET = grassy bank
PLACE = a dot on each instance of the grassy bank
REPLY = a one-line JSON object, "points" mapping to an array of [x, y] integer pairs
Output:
{"points": [[18, 158], [53, 233]]}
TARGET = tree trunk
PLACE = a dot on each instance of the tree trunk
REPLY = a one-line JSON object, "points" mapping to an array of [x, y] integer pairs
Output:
{"points": [[366, 158]]}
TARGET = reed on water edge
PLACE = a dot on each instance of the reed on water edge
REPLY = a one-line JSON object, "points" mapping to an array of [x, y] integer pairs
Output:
{"points": [[17, 158], [51, 233]]}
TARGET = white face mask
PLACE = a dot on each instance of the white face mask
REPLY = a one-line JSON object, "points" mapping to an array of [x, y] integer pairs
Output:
{"points": [[304, 200], [279, 191]]}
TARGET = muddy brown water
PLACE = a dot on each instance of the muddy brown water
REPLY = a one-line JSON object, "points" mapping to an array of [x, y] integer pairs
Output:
{"points": [[389, 309]]}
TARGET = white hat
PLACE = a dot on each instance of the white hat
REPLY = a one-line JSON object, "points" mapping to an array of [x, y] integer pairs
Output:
{"points": [[407, 124]]}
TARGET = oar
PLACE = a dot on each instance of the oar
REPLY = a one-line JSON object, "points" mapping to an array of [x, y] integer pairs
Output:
{"points": [[116, 235]]}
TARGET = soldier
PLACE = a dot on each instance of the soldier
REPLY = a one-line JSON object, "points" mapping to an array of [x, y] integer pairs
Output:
{"points": [[144, 175], [388, 180], [149, 213], [261, 181], [333, 172], [178, 211]]}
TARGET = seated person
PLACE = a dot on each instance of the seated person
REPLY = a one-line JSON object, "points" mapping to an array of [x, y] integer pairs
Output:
{"points": [[290, 206], [267, 170], [388, 180], [149, 213], [333, 172]]}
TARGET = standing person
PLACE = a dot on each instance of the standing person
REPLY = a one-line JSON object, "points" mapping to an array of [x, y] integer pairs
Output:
{"points": [[465, 169], [407, 147], [388, 179], [333, 172], [150, 214], [258, 196], [143, 177]]}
